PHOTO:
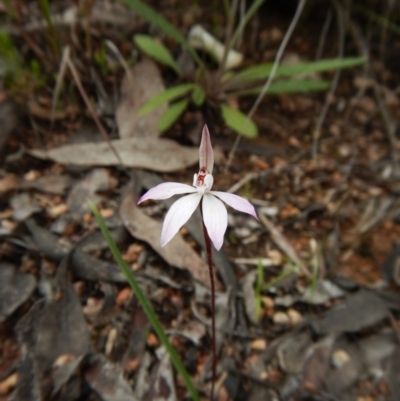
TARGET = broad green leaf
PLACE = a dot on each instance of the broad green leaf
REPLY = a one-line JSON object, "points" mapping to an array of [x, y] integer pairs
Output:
{"points": [[157, 19], [146, 305], [156, 50], [198, 96], [171, 115], [165, 96], [290, 86], [239, 122], [262, 71]]}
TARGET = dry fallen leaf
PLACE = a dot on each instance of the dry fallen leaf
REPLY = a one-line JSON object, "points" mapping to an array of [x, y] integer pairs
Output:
{"points": [[98, 179], [156, 154], [142, 83], [178, 253]]}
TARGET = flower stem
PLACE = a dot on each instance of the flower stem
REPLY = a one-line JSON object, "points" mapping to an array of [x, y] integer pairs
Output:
{"points": [[213, 338]]}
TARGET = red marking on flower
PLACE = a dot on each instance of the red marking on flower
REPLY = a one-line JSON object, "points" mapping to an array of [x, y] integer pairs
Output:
{"points": [[201, 176]]}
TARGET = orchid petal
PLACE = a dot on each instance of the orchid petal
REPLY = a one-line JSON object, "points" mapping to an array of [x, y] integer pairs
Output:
{"points": [[166, 190], [208, 182], [178, 214], [215, 219], [237, 202], [206, 151]]}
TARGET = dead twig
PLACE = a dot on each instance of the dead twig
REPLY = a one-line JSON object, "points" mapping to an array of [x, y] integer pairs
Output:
{"points": [[332, 90], [91, 109], [283, 244], [59, 81], [390, 124], [120, 58], [324, 32], [267, 84]]}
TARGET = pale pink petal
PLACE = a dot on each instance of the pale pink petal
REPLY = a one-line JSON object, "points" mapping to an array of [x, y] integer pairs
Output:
{"points": [[206, 151], [237, 202], [178, 214], [208, 182], [215, 219], [166, 190]]}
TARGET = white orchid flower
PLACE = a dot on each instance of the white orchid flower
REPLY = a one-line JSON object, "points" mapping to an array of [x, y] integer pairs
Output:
{"points": [[215, 215]]}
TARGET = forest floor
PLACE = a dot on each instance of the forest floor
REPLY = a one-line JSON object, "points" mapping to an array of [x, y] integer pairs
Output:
{"points": [[308, 301]]}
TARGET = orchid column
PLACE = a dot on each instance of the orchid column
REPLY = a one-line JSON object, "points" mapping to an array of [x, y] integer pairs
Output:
{"points": [[213, 211]]}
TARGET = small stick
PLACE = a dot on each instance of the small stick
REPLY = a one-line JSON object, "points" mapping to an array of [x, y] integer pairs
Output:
{"points": [[268, 83], [332, 90], [96, 119], [281, 241]]}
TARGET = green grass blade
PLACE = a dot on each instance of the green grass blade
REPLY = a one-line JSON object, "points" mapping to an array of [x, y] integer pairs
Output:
{"points": [[53, 37], [289, 86], [171, 115], [239, 122], [8, 52], [156, 50], [259, 288], [285, 273], [155, 18], [253, 8], [262, 71], [165, 96], [145, 305], [379, 19]]}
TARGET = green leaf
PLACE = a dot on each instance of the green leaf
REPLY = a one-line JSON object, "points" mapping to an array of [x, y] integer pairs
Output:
{"points": [[239, 122], [262, 71], [156, 50], [157, 19], [255, 73], [198, 96], [289, 86], [171, 115], [165, 96], [147, 308], [259, 288]]}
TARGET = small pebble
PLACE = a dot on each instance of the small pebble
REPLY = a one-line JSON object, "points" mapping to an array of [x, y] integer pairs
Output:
{"points": [[276, 256], [268, 302], [63, 359], [152, 340], [259, 344], [281, 318], [294, 317], [107, 213], [32, 175], [112, 336], [8, 384], [340, 358], [93, 306], [132, 365], [123, 296], [58, 210]]}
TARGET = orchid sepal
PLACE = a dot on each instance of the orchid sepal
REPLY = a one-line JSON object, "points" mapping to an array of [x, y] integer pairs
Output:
{"points": [[215, 215]]}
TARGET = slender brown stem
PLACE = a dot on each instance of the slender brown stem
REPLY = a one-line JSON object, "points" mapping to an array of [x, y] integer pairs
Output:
{"points": [[213, 338]]}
